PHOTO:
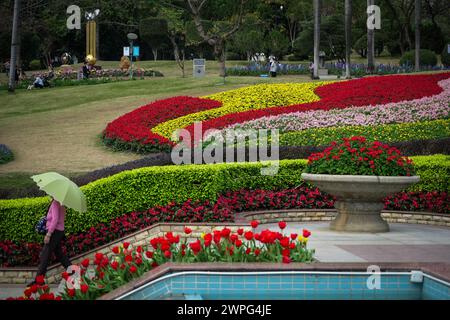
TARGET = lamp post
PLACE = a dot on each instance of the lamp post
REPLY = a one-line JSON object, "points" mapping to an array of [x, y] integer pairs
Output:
{"points": [[131, 38]]}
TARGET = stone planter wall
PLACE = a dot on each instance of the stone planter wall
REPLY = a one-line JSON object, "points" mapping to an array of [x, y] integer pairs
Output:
{"points": [[428, 218], [26, 275]]}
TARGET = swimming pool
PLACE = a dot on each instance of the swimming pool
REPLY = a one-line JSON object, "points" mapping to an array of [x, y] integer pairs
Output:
{"points": [[291, 285]]}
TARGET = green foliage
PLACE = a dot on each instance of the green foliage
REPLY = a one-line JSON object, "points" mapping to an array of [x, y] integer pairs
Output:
{"points": [[144, 188], [434, 172], [445, 57], [427, 58], [35, 65], [386, 133]]}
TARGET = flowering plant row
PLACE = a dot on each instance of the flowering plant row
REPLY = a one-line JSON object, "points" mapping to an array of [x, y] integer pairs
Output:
{"points": [[249, 98], [357, 156], [427, 108], [104, 274], [132, 130], [14, 253], [345, 94], [423, 130]]}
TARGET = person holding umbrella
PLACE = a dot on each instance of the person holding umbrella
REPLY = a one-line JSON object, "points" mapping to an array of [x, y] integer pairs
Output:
{"points": [[63, 192]]}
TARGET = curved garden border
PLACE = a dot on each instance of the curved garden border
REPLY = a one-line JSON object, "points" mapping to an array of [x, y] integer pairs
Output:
{"points": [[26, 274]]}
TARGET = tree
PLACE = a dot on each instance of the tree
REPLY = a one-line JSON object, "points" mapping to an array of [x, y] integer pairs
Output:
{"points": [[222, 31], [276, 43], [14, 43], [348, 37], [370, 44], [249, 40], [317, 7], [417, 19]]}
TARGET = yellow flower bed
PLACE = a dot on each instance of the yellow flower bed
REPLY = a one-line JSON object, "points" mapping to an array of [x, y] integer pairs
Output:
{"points": [[249, 98]]}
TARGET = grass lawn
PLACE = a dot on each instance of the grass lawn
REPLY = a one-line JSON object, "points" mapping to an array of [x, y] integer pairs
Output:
{"points": [[58, 129]]}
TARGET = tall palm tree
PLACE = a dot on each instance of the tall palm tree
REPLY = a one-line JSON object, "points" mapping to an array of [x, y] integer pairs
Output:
{"points": [[14, 44], [418, 5], [317, 9], [348, 37], [370, 43]]}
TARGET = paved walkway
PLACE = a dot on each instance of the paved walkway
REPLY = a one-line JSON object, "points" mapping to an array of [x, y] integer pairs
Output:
{"points": [[404, 243]]}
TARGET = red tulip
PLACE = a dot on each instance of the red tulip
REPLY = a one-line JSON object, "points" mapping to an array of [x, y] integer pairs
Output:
{"points": [[84, 288], [248, 235], [116, 250], [254, 224], [282, 225], [306, 233], [187, 230], [133, 269]]}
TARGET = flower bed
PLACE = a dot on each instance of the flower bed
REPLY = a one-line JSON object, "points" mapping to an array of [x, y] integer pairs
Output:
{"points": [[104, 275], [357, 156], [132, 130], [423, 130], [19, 253], [427, 108], [249, 98], [345, 94], [6, 154]]}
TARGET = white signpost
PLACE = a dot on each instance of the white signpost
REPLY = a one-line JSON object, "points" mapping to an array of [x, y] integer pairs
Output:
{"points": [[126, 51], [199, 68]]}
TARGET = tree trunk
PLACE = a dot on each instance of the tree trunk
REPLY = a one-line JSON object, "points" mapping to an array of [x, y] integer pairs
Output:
{"points": [[348, 37], [370, 44], [219, 52], [176, 54], [417, 27], [155, 54], [317, 7], [14, 43]]}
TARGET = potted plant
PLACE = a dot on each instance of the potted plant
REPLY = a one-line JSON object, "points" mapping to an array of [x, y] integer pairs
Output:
{"points": [[360, 174]]}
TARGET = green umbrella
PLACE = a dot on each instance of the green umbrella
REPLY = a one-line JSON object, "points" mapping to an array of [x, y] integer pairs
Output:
{"points": [[62, 189]]}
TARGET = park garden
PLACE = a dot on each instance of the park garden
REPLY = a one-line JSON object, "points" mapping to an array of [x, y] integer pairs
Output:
{"points": [[113, 134]]}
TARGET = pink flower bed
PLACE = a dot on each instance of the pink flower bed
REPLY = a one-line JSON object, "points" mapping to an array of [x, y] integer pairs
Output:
{"points": [[427, 108]]}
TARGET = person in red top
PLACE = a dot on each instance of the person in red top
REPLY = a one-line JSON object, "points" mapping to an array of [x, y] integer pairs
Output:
{"points": [[52, 241]]}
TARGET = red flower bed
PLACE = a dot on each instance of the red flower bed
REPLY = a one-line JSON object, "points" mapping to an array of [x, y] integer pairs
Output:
{"points": [[438, 202], [339, 95], [104, 275], [357, 156], [132, 130], [27, 254]]}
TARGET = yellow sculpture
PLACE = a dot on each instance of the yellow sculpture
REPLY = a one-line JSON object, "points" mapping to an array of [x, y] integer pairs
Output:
{"points": [[124, 63], [90, 60]]}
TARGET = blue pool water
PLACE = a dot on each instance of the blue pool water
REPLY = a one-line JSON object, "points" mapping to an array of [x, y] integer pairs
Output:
{"points": [[289, 286]]}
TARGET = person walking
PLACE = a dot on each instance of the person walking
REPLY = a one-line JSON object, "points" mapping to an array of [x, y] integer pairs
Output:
{"points": [[273, 67], [53, 239]]}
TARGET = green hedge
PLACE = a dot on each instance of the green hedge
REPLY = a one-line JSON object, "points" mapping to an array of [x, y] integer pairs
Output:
{"points": [[427, 58], [140, 189], [423, 130]]}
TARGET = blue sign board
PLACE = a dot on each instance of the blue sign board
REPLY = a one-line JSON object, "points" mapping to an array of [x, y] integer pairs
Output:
{"points": [[136, 51]]}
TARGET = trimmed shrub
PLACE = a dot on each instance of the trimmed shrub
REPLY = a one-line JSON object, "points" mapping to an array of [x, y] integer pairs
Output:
{"points": [[6, 154], [145, 188], [427, 58], [141, 189], [35, 65], [445, 57]]}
